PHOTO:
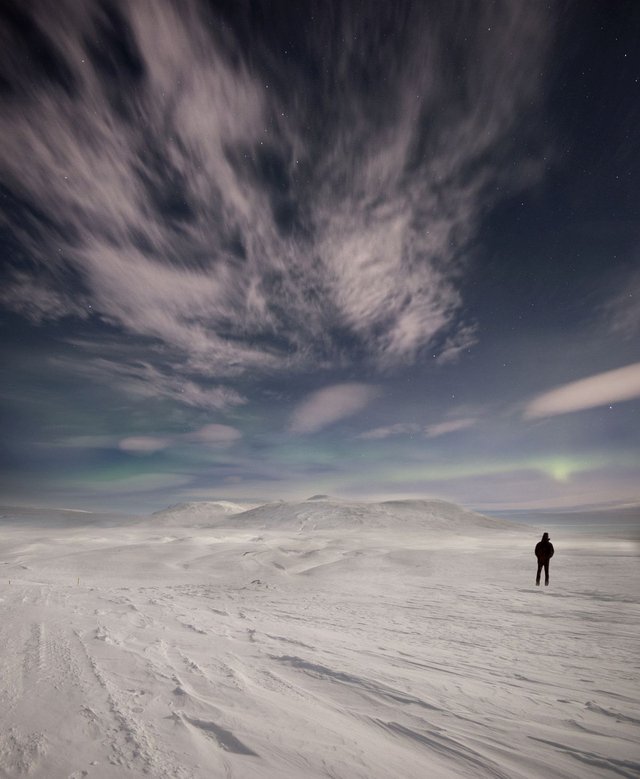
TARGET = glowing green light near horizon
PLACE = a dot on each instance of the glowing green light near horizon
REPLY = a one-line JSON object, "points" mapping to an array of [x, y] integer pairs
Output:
{"points": [[559, 468]]}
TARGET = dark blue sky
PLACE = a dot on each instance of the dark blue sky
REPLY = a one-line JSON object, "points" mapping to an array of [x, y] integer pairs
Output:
{"points": [[267, 250]]}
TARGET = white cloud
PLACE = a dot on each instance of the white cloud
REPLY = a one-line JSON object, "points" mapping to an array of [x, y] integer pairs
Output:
{"points": [[143, 380], [408, 428], [622, 311], [37, 302], [599, 390], [329, 405], [462, 340], [143, 444], [401, 428], [449, 426], [163, 186], [213, 434]]}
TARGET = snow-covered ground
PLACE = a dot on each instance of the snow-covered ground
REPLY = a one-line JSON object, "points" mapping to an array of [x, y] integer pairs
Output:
{"points": [[319, 639]]}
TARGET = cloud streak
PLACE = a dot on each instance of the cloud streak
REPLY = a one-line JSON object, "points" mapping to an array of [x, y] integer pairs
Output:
{"points": [[211, 435], [165, 183], [329, 405], [599, 390], [411, 429], [450, 426], [388, 431], [622, 310], [141, 379]]}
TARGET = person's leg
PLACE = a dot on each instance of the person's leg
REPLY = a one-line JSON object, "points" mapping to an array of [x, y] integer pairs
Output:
{"points": [[539, 571], [546, 573]]}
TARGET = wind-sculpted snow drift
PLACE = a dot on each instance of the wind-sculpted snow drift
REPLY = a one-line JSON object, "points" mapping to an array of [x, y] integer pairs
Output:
{"points": [[322, 638]]}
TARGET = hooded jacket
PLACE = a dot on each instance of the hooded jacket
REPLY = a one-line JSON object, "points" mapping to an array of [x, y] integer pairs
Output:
{"points": [[544, 549]]}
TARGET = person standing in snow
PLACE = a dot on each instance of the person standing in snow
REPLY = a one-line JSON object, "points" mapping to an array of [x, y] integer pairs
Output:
{"points": [[544, 553]]}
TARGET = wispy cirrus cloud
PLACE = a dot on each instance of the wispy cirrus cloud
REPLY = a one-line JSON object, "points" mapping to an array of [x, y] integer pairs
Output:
{"points": [[388, 431], [622, 310], [215, 435], [410, 428], [141, 379], [143, 444], [600, 390], [212, 435], [449, 426], [458, 342], [329, 405], [166, 183]]}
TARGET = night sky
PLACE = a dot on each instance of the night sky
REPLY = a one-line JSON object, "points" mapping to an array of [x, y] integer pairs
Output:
{"points": [[264, 250]]}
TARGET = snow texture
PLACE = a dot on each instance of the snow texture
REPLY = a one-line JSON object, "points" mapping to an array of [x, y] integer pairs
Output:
{"points": [[319, 639]]}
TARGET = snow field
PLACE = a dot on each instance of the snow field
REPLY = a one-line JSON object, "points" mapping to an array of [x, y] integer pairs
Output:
{"points": [[315, 640]]}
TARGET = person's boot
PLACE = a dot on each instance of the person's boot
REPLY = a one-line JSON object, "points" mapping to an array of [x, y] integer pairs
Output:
{"points": [[546, 584], [537, 582]]}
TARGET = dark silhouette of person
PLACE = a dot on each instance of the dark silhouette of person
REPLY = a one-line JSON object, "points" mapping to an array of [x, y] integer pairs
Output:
{"points": [[544, 553]]}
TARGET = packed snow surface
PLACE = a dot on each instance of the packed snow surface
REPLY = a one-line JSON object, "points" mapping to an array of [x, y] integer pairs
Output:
{"points": [[319, 639]]}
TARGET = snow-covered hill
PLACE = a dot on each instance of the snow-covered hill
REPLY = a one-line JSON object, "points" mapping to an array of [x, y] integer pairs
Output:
{"points": [[322, 513], [32, 516], [199, 513], [317, 639]]}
